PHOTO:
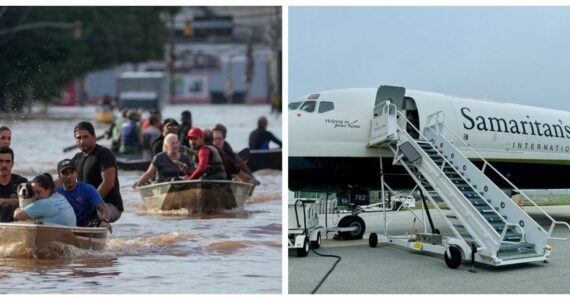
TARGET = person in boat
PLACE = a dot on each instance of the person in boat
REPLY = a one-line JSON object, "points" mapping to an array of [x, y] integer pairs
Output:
{"points": [[8, 184], [209, 162], [97, 166], [185, 126], [49, 207], [5, 136], [232, 168], [149, 135], [168, 126], [260, 138], [146, 123], [130, 135], [115, 131], [83, 197], [219, 135], [170, 164], [107, 103], [230, 165]]}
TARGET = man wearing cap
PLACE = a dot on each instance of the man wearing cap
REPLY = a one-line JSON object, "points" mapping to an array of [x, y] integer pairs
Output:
{"points": [[209, 161], [97, 166], [83, 197], [168, 126], [8, 185]]}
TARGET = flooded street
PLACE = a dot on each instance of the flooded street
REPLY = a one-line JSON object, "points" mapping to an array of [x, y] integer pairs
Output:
{"points": [[153, 251]]}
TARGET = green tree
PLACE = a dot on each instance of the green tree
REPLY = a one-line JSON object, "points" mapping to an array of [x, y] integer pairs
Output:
{"points": [[68, 42]]}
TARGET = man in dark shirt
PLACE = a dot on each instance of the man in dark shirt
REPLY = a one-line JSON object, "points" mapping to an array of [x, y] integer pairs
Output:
{"points": [[97, 166], [8, 184], [260, 138], [168, 126]]}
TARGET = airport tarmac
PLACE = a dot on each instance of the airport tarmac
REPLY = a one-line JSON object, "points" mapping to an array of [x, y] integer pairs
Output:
{"points": [[390, 269]]}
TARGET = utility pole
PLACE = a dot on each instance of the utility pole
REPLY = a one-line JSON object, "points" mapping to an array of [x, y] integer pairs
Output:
{"points": [[249, 73], [274, 41], [171, 59]]}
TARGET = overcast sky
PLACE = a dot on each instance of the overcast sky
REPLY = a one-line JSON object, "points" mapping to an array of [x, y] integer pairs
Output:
{"points": [[505, 54]]}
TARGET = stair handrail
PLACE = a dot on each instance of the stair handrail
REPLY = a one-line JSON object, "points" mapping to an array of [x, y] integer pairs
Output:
{"points": [[513, 187], [507, 224]]}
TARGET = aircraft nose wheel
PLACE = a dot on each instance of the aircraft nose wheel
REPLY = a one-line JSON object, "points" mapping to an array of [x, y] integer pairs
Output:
{"points": [[373, 240], [352, 221]]}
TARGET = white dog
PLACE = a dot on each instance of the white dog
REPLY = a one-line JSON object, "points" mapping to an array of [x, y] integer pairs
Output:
{"points": [[25, 194]]}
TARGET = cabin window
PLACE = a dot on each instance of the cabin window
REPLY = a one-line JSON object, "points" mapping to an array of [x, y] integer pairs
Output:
{"points": [[294, 105], [308, 106], [325, 106]]}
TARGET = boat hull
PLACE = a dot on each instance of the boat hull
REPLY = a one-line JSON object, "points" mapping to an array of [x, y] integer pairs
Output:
{"points": [[197, 196], [36, 240], [132, 162], [262, 159]]}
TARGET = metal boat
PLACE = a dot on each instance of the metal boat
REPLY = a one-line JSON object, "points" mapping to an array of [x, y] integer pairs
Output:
{"points": [[35, 240], [197, 196], [132, 162], [262, 159]]}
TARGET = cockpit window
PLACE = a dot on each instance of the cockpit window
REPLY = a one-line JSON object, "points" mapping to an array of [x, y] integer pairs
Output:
{"points": [[294, 105], [308, 106], [325, 106]]}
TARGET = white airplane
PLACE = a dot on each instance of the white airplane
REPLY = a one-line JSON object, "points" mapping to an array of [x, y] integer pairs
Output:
{"points": [[329, 131]]}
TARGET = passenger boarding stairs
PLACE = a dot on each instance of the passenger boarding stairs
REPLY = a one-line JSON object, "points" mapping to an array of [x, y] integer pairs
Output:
{"points": [[477, 211]]}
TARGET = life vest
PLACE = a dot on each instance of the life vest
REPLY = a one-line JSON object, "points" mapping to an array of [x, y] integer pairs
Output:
{"points": [[215, 168]]}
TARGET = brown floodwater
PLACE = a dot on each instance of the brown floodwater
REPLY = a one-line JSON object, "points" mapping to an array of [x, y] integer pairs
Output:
{"points": [[237, 251]]}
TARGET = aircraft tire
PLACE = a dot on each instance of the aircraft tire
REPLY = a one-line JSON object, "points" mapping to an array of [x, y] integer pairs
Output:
{"points": [[373, 240], [350, 221]]}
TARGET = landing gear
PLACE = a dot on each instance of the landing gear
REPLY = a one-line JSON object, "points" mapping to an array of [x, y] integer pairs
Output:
{"points": [[302, 252], [453, 260], [352, 221], [373, 240]]}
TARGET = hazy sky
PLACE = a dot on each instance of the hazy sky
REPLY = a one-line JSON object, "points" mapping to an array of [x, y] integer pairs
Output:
{"points": [[505, 54]]}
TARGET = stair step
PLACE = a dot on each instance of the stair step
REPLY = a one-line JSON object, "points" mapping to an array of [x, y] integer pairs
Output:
{"points": [[451, 174], [505, 247], [493, 218], [462, 185], [499, 228], [459, 181], [513, 237], [512, 256], [478, 202], [492, 215], [470, 195]]}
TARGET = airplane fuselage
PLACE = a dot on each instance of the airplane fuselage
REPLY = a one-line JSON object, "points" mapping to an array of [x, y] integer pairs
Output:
{"points": [[328, 133]]}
